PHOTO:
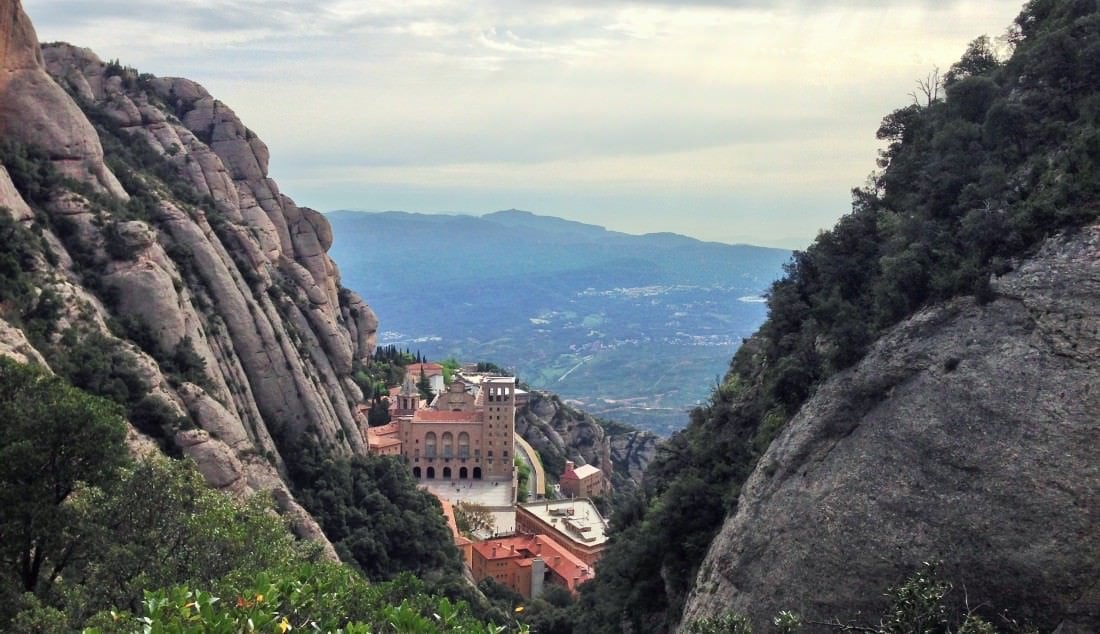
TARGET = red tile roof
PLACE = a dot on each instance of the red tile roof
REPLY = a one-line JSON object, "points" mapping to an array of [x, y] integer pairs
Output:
{"points": [[384, 436], [525, 548], [383, 430], [384, 442], [428, 369]]}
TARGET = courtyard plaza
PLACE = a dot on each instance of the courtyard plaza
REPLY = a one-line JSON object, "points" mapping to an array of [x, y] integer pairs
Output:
{"points": [[495, 495]]}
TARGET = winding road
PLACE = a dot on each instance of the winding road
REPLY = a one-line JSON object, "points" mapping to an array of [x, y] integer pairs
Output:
{"points": [[536, 486]]}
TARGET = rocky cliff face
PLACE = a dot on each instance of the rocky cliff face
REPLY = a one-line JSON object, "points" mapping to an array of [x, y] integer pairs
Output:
{"points": [[559, 433], [198, 249], [967, 436]]}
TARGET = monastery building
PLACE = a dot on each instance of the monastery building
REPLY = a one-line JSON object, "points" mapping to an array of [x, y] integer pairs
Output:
{"points": [[465, 434]]}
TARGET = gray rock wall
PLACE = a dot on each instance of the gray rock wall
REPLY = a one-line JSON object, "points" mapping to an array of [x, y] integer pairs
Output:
{"points": [[968, 435], [244, 276], [559, 433]]}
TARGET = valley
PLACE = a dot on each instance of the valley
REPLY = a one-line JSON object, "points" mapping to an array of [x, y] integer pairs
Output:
{"points": [[205, 427], [634, 328]]}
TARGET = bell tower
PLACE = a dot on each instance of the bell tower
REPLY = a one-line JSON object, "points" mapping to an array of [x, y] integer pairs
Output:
{"points": [[408, 399], [500, 412]]}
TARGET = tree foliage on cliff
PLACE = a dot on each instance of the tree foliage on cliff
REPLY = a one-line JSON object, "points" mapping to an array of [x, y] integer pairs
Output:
{"points": [[371, 510], [83, 530], [56, 443], [968, 184], [90, 539]]}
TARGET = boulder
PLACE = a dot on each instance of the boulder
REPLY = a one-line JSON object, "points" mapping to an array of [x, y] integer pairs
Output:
{"points": [[14, 345]]}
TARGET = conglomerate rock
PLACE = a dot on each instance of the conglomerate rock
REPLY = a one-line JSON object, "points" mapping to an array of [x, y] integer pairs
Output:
{"points": [[217, 265], [559, 433], [967, 436]]}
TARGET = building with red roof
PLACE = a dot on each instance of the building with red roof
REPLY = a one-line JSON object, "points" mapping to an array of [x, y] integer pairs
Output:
{"points": [[575, 524], [526, 563], [584, 481], [385, 440], [431, 371]]}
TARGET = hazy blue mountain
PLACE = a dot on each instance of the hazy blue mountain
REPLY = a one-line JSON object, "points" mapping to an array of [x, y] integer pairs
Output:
{"points": [[634, 327]]}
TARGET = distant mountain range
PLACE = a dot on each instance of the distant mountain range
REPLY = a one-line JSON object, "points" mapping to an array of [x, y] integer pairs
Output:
{"points": [[632, 327]]}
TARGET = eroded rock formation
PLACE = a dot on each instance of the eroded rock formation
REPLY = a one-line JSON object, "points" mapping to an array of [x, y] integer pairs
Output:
{"points": [[967, 436], [559, 433], [208, 259]]}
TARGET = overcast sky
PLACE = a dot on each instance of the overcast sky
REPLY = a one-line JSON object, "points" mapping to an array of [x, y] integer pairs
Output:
{"points": [[736, 120]]}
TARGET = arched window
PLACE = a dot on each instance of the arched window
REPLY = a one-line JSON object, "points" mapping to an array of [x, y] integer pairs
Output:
{"points": [[429, 445], [448, 444], [431, 473], [416, 472], [463, 473], [446, 473], [464, 445]]}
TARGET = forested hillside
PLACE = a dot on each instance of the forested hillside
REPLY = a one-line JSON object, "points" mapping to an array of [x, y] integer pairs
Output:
{"points": [[978, 171], [160, 299]]}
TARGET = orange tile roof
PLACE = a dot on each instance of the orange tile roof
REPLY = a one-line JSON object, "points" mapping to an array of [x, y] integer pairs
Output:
{"points": [[384, 436], [579, 473], [383, 430], [384, 442], [428, 369], [525, 548]]}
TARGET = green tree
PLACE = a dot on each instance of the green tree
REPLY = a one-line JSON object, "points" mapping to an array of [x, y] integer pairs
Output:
{"points": [[473, 518], [450, 366], [379, 412], [371, 509], [424, 386], [57, 444], [308, 598], [162, 525], [523, 479]]}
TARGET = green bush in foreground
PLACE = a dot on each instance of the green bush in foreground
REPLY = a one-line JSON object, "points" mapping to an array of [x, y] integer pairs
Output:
{"points": [[310, 598]]}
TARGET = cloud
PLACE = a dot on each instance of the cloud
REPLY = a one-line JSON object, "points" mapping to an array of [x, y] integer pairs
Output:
{"points": [[692, 107]]}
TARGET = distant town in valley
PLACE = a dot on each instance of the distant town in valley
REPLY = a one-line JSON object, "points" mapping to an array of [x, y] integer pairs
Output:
{"points": [[636, 329]]}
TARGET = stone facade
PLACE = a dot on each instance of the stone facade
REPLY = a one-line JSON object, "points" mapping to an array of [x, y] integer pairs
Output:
{"points": [[584, 481], [467, 433]]}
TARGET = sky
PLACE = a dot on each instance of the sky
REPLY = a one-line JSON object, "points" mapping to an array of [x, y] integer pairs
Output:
{"points": [[727, 120]]}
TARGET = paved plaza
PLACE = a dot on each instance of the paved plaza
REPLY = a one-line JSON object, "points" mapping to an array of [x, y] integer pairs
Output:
{"points": [[495, 495]]}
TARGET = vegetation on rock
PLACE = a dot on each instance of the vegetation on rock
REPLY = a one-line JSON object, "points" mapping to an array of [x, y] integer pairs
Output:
{"points": [[969, 184], [371, 510], [92, 539]]}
